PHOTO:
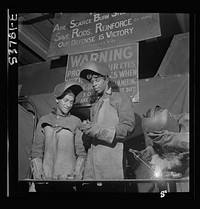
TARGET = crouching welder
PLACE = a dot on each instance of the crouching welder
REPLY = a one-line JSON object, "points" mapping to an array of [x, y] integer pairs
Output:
{"points": [[57, 150], [167, 140]]}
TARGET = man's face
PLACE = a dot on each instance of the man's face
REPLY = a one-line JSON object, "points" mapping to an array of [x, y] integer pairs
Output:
{"points": [[99, 83], [65, 104]]}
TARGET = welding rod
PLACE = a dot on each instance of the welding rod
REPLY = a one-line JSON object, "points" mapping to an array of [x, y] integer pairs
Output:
{"points": [[133, 151]]}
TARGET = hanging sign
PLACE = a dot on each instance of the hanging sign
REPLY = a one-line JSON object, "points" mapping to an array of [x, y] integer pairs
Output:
{"points": [[122, 61], [79, 32]]}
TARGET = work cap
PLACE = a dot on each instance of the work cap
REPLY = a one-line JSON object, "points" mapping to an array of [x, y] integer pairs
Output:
{"points": [[74, 86], [94, 67]]}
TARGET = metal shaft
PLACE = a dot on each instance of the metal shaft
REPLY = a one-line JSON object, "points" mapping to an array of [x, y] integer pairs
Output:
{"points": [[130, 150]]}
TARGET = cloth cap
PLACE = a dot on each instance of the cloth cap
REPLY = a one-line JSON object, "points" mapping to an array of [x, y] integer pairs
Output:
{"points": [[73, 85], [94, 67]]}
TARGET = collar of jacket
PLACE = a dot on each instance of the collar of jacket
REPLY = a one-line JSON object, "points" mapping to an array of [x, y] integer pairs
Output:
{"points": [[107, 93], [54, 112]]}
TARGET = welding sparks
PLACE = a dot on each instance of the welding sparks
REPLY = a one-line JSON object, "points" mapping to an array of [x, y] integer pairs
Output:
{"points": [[165, 163], [159, 164], [158, 173], [155, 170]]}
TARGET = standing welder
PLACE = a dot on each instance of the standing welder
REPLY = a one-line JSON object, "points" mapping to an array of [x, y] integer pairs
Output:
{"points": [[111, 120], [57, 150]]}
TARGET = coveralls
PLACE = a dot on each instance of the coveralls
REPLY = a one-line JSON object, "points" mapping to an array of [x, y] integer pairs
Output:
{"points": [[114, 112], [58, 141]]}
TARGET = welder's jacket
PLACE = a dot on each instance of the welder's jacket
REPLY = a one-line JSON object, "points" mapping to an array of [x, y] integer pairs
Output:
{"points": [[113, 111], [58, 141], [166, 142], [169, 141]]}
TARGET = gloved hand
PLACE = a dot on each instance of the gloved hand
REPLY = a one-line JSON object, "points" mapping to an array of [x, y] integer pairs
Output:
{"points": [[37, 169], [102, 134], [79, 168], [106, 134], [85, 125], [91, 129], [96, 130]]}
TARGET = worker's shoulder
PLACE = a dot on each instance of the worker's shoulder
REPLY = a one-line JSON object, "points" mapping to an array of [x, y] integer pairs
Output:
{"points": [[121, 96], [75, 118], [45, 116]]}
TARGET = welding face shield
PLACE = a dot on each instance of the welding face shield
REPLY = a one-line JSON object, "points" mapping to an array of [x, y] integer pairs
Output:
{"points": [[159, 119], [74, 86], [94, 68]]}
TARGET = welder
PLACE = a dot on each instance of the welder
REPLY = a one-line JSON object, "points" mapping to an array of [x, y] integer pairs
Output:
{"points": [[111, 120], [166, 136], [57, 151]]}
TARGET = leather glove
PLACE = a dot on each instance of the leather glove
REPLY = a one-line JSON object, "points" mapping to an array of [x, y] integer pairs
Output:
{"points": [[96, 130], [79, 168], [85, 125], [91, 129], [37, 169], [106, 134]]}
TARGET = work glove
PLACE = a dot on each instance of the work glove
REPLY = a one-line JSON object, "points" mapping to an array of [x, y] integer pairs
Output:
{"points": [[96, 130], [89, 128], [145, 154], [84, 125], [79, 168], [106, 134], [37, 169], [92, 129]]}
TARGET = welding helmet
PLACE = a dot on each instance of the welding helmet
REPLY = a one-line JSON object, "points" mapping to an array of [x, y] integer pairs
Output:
{"points": [[74, 86], [159, 119], [94, 67]]}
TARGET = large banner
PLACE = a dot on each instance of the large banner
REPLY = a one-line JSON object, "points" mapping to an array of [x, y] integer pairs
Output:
{"points": [[122, 61], [79, 32]]}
